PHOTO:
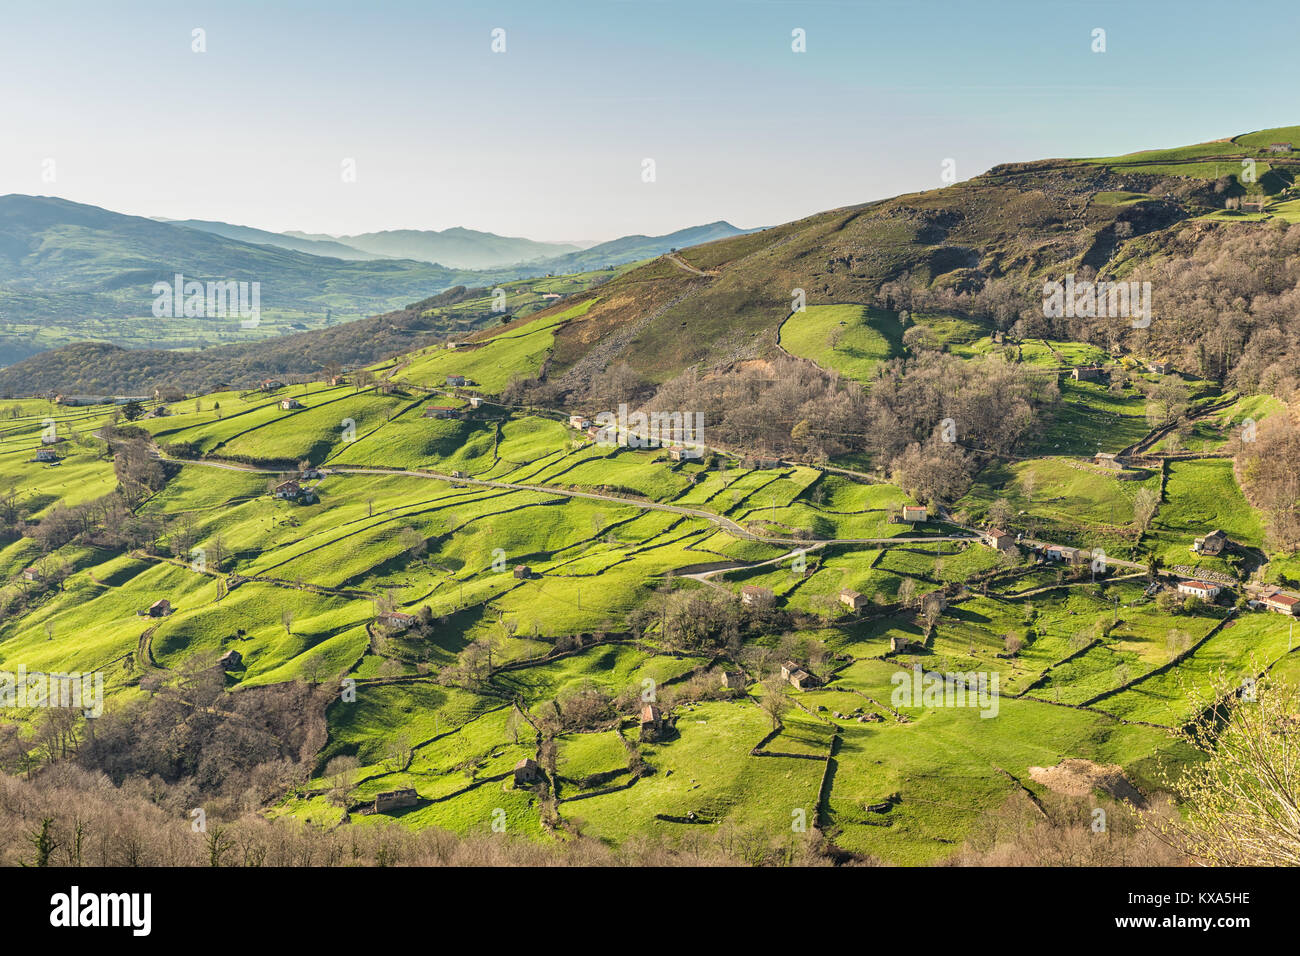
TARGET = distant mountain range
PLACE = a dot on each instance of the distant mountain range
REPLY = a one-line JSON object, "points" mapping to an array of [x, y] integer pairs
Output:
{"points": [[459, 248], [632, 248], [455, 248], [323, 246], [72, 272]]}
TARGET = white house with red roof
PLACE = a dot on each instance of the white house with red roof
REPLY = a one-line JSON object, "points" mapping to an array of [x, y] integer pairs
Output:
{"points": [[1200, 589]]}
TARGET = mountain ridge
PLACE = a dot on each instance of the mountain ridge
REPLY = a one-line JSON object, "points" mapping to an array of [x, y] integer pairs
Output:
{"points": [[457, 247], [979, 244]]}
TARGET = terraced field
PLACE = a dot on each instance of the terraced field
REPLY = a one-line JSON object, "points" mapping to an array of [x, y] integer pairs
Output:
{"points": [[614, 540]]}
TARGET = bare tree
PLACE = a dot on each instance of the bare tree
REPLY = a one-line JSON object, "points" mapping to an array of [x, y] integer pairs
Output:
{"points": [[1000, 513], [1145, 503], [1242, 803], [400, 753], [341, 772], [906, 591], [775, 700]]}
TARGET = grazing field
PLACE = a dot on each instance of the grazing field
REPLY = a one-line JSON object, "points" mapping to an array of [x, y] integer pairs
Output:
{"points": [[490, 363], [852, 340], [1090, 419], [1063, 500], [1200, 496], [598, 620], [1222, 429], [951, 332]]}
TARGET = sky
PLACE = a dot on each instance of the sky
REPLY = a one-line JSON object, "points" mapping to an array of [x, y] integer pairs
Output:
{"points": [[113, 105]]}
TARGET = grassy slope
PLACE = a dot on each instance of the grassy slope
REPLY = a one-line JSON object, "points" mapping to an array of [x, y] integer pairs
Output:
{"points": [[597, 561], [853, 340]]}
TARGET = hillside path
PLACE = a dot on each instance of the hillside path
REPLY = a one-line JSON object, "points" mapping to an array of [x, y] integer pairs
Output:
{"points": [[681, 263]]}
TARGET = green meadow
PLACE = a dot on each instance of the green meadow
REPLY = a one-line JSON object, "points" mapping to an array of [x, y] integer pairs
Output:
{"points": [[610, 544], [851, 339]]}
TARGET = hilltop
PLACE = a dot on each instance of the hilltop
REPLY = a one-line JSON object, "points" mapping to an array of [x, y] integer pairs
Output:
{"points": [[979, 250], [981, 247], [312, 245], [633, 248]]}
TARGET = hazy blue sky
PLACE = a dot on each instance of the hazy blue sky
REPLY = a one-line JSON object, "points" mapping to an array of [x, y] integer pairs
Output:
{"points": [[547, 139]]}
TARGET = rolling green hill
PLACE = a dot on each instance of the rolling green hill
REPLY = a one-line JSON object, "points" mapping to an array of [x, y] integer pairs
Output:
{"points": [[541, 631], [979, 250], [608, 535], [1003, 232], [75, 272], [93, 368]]}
